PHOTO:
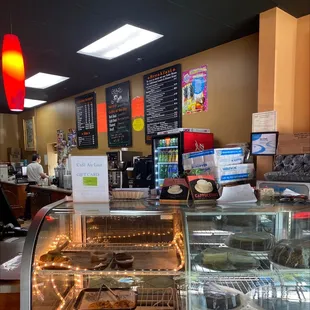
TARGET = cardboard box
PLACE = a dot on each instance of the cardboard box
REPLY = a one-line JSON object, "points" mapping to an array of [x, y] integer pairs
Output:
{"points": [[178, 130], [174, 191], [213, 158], [203, 188], [14, 154], [294, 144], [233, 173]]}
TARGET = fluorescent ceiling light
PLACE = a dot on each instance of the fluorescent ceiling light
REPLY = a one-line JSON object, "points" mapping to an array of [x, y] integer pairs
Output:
{"points": [[119, 42], [44, 80], [30, 103]]}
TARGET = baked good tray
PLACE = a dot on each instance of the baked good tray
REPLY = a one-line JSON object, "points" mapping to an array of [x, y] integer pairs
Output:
{"points": [[162, 260], [87, 299]]}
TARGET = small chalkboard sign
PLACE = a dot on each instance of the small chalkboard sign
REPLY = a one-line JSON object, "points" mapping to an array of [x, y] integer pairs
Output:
{"points": [[86, 121], [119, 115]]}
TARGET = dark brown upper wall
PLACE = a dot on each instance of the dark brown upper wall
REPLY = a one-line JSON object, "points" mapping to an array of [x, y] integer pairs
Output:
{"points": [[232, 91]]}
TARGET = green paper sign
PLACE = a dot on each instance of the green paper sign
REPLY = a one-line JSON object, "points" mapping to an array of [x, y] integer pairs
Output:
{"points": [[90, 181]]}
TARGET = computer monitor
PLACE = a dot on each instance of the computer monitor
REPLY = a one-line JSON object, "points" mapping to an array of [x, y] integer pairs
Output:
{"points": [[264, 143], [24, 171], [6, 213]]}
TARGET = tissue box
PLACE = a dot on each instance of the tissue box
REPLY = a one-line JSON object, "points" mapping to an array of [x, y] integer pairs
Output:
{"points": [[233, 173], [213, 158]]}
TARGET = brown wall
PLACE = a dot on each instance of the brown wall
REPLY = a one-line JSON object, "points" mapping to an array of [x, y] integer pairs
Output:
{"points": [[9, 134], [232, 89], [302, 76], [284, 74]]}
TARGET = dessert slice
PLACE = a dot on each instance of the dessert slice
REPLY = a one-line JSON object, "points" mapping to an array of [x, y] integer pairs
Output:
{"points": [[124, 260]]}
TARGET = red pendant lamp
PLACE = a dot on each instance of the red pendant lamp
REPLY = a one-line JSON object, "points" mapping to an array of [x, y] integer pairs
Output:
{"points": [[13, 72]]}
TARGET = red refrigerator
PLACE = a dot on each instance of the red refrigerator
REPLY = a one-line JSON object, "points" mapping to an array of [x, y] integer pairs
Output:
{"points": [[167, 150]]}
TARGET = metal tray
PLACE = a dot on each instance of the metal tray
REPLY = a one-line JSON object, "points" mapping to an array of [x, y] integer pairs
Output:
{"points": [[81, 304]]}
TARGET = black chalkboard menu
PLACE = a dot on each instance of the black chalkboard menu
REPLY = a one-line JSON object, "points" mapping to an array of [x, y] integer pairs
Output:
{"points": [[86, 121], [119, 115], [163, 95]]}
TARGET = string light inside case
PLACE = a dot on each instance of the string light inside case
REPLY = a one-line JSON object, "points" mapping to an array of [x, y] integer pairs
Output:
{"points": [[13, 72]]}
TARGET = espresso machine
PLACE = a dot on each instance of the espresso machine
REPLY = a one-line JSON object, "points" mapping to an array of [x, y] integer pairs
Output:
{"points": [[118, 162], [142, 172]]}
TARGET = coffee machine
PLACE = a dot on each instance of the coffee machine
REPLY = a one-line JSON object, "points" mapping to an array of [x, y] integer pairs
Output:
{"points": [[142, 172], [118, 162]]}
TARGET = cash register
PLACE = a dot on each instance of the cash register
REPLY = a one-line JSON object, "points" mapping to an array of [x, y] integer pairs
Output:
{"points": [[21, 174]]}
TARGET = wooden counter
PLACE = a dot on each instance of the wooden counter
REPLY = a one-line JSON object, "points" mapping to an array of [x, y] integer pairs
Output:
{"points": [[44, 195], [16, 195]]}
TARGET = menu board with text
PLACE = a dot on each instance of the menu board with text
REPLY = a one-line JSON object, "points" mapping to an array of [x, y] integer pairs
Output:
{"points": [[86, 121], [119, 115], [162, 90]]}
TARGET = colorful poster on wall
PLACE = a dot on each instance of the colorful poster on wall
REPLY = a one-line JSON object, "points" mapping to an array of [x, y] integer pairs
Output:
{"points": [[137, 107], [102, 117], [195, 90], [72, 138]]}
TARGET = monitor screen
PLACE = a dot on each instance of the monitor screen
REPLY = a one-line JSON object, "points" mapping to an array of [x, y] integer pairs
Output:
{"points": [[24, 171], [264, 143]]}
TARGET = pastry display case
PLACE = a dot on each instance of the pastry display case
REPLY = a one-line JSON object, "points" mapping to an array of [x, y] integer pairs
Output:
{"points": [[139, 255], [257, 258]]}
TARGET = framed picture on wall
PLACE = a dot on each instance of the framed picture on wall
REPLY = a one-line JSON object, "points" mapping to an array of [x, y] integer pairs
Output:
{"points": [[30, 143]]}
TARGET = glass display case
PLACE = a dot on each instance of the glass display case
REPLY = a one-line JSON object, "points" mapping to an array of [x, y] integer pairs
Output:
{"points": [[138, 255]]}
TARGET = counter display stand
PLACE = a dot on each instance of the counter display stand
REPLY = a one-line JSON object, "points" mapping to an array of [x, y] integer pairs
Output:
{"points": [[153, 257]]}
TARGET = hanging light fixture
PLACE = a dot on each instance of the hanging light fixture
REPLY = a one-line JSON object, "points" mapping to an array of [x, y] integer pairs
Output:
{"points": [[13, 72]]}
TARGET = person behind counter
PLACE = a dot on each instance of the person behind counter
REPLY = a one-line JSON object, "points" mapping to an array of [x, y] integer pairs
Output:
{"points": [[34, 173]]}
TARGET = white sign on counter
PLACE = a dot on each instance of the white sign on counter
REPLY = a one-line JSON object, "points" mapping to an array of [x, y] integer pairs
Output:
{"points": [[90, 178], [264, 121]]}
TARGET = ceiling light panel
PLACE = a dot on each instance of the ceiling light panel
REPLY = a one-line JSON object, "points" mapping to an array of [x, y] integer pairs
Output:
{"points": [[30, 103], [120, 42], [44, 80]]}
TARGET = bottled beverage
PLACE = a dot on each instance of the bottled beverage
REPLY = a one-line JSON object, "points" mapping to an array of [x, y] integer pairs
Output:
{"points": [[161, 172], [165, 172], [175, 171], [167, 141], [169, 171], [176, 158], [170, 156], [163, 156], [167, 157]]}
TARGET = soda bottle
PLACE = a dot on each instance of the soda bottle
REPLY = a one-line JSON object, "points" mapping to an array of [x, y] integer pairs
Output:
{"points": [[161, 172], [175, 171], [169, 171], [166, 171], [166, 156], [170, 156]]}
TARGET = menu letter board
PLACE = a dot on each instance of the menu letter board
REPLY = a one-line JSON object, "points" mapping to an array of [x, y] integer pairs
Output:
{"points": [[119, 115], [162, 91], [86, 121]]}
